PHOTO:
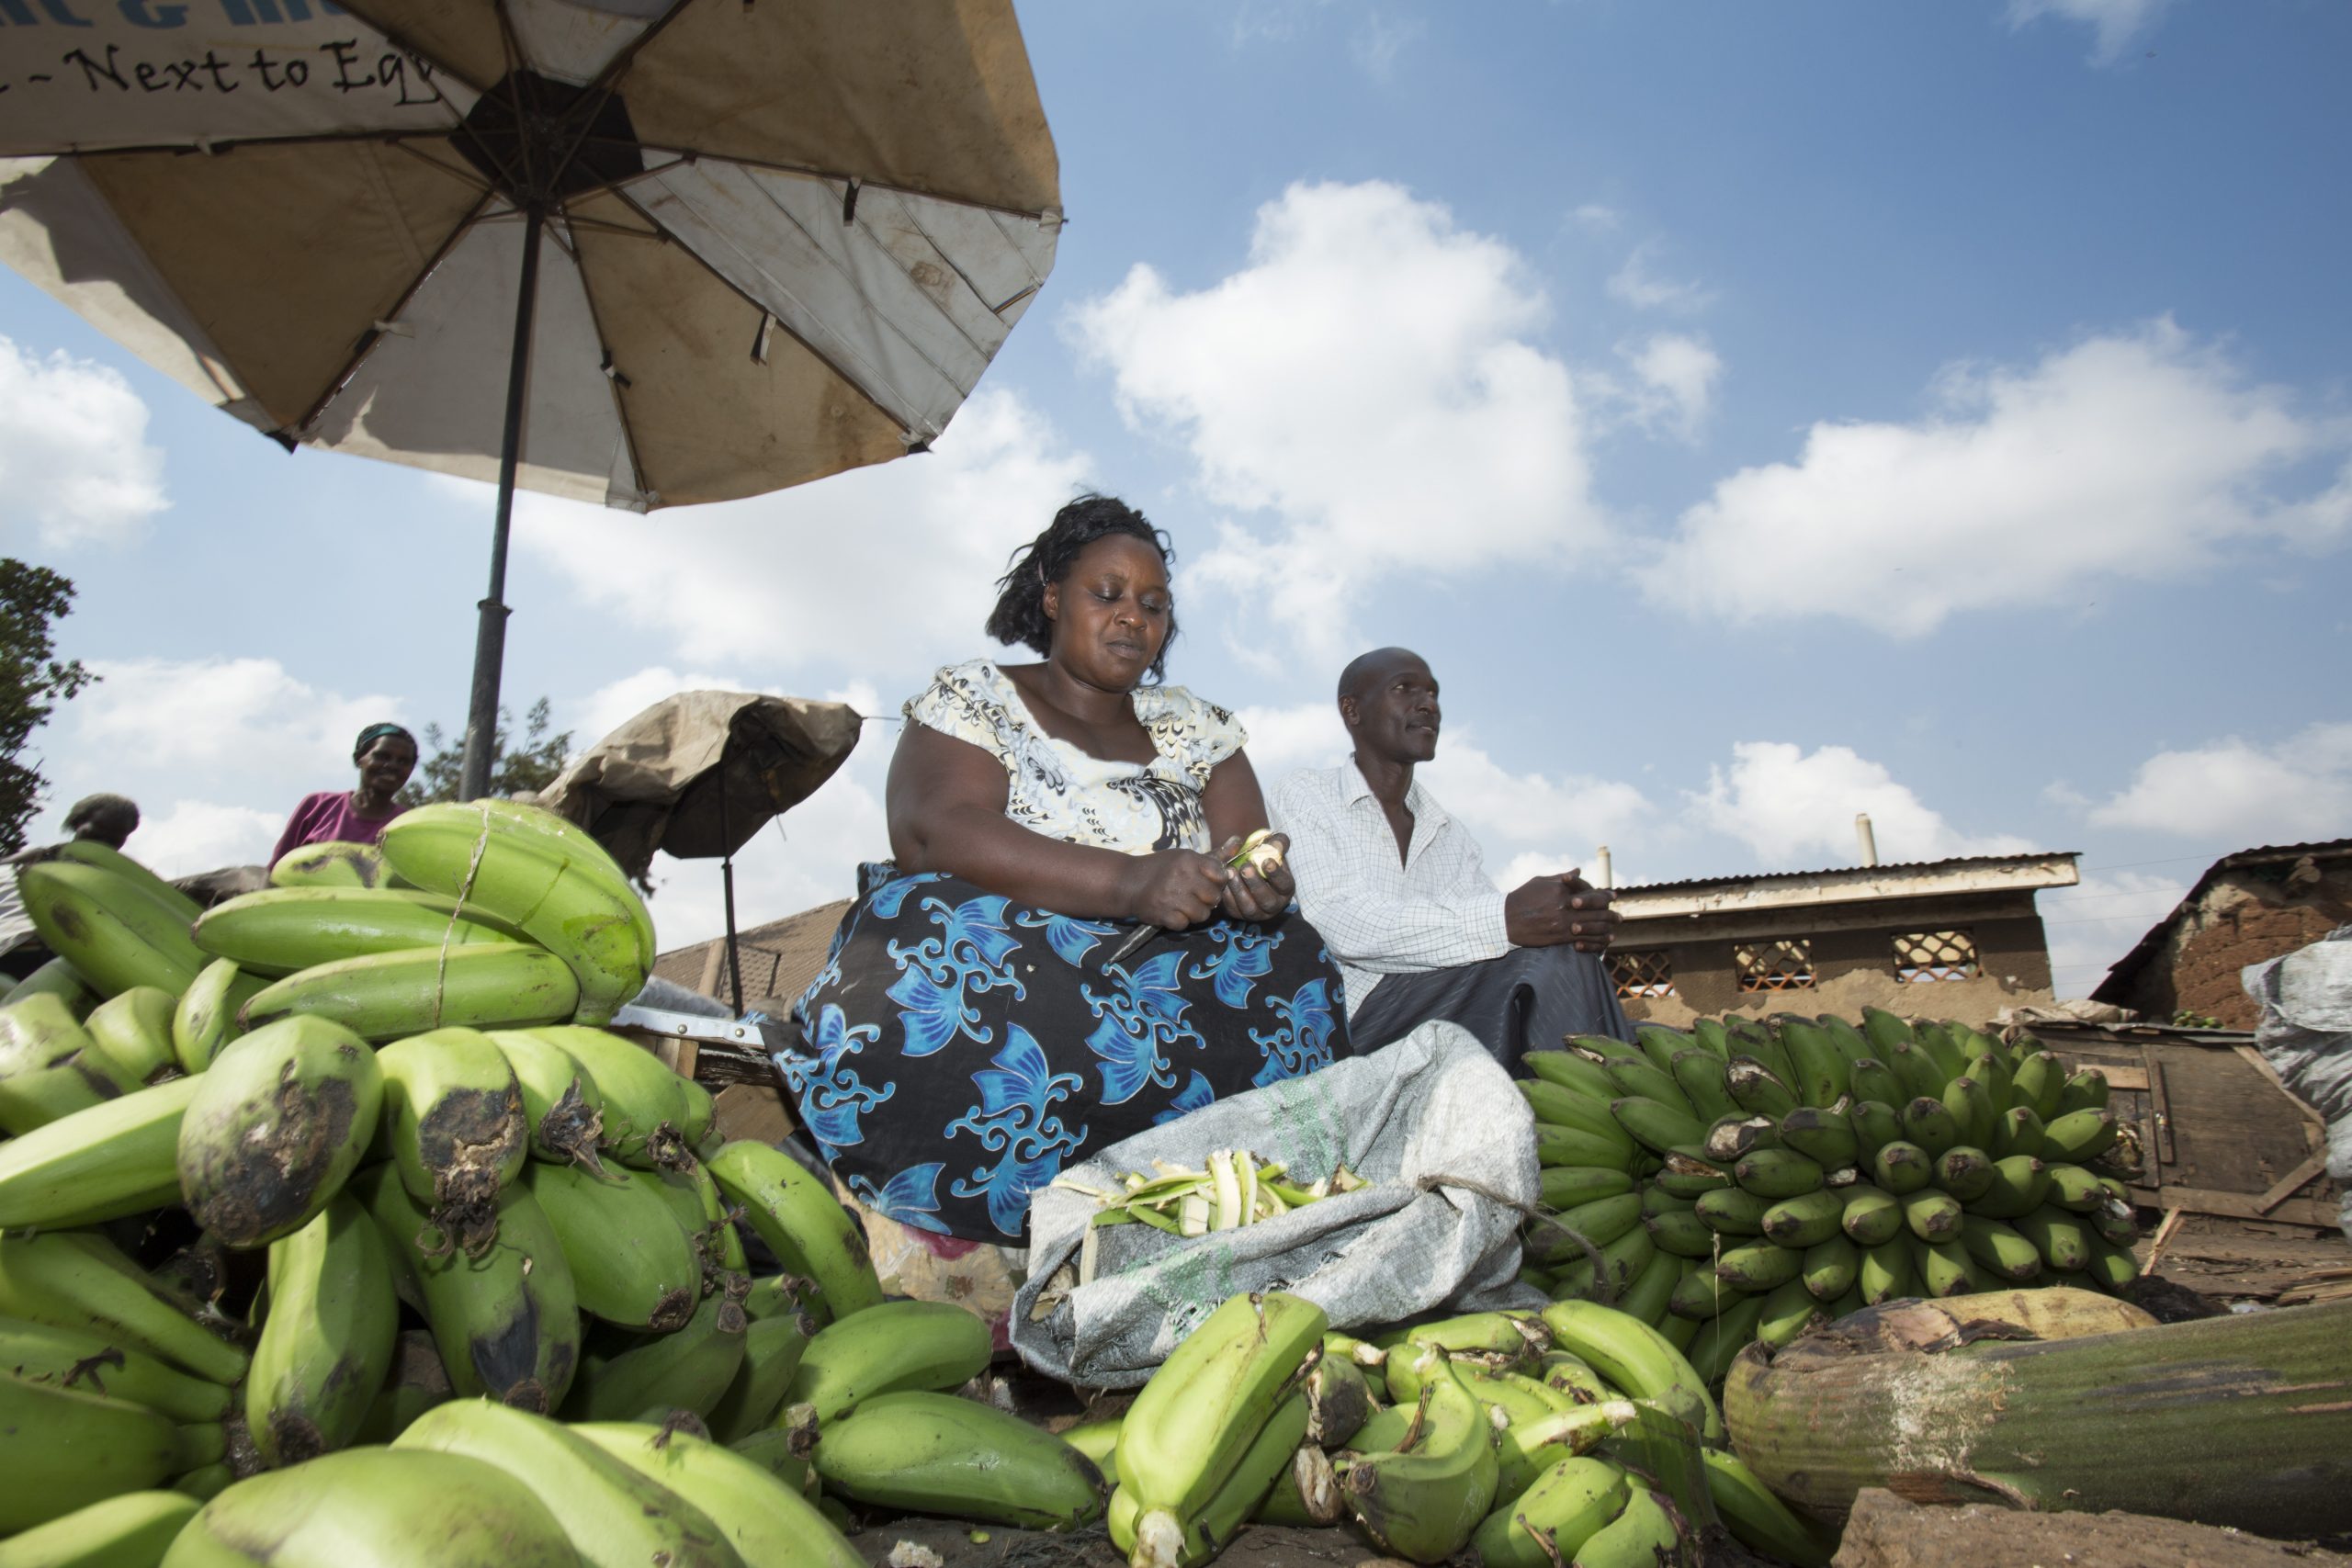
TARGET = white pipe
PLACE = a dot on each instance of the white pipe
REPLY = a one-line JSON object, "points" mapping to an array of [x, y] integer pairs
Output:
{"points": [[1603, 876], [1868, 840]]}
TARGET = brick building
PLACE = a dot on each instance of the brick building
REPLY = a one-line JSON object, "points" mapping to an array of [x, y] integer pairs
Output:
{"points": [[1948, 938], [2250, 906]]}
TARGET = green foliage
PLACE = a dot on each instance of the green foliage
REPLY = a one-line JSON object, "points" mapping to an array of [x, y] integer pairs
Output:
{"points": [[532, 766], [32, 682]]}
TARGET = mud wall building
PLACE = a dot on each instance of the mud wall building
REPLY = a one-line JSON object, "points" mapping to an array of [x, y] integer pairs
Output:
{"points": [[1948, 938], [2256, 904]]}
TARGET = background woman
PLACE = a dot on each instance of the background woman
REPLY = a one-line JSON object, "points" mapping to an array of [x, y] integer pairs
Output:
{"points": [[966, 1040], [385, 755]]}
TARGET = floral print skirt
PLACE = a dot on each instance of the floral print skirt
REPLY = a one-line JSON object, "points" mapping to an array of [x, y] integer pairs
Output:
{"points": [[958, 1049]]}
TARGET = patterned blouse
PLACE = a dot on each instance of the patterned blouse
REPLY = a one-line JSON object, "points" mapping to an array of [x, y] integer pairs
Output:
{"points": [[1058, 790]]}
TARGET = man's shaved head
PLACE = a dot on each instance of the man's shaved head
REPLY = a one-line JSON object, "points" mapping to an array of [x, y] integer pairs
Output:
{"points": [[1367, 668]]}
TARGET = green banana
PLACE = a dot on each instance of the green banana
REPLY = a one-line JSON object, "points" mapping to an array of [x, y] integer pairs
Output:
{"points": [[1725, 1335], [2020, 1132], [1917, 1071], [1999, 1248], [1827, 1137], [1600, 1222], [332, 864], [561, 1104], [411, 990], [417, 1383], [2018, 1184], [1760, 1046], [1732, 1136], [1196, 1417], [1657, 1125], [1306, 1493], [1757, 1518], [939, 1454], [768, 1522], [1570, 1071], [1945, 1269], [56, 978], [327, 1342], [2039, 1082], [2079, 1136], [613, 1515], [2085, 1090], [1885, 1270], [1902, 1168], [772, 1351], [507, 1323], [1932, 1215], [1557, 1144], [135, 1029], [1973, 1110], [1941, 1048], [112, 930], [2073, 1187], [1661, 1044], [1706, 1080], [1876, 1124], [1652, 1287], [1681, 1235], [1700, 1295], [1777, 1173], [1788, 1311], [114, 1159], [107, 858], [644, 1102], [2062, 1239], [688, 1370], [77, 1279], [1874, 1080], [1930, 1124], [1339, 1400], [1687, 1176], [1561, 1510], [801, 1221], [1805, 1219], [1636, 1359], [1823, 1071], [205, 1018], [206, 1481], [1422, 1504], [783, 1451], [1757, 1090], [1731, 1211], [1829, 1268], [61, 1450], [1566, 1186], [283, 931], [1966, 1173], [1759, 1266], [631, 1262], [2111, 1268], [1872, 1216], [1622, 1261], [1638, 1077], [278, 1123], [132, 1530], [889, 1347], [453, 1115], [1270, 1461], [50, 1066], [90, 1363], [1557, 1107], [480, 1514], [544, 877]]}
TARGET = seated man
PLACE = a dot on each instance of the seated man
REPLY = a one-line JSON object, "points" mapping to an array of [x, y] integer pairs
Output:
{"points": [[1400, 895]]}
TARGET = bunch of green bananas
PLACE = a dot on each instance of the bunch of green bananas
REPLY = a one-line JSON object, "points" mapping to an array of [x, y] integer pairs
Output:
{"points": [[1579, 1435], [1746, 1180]]}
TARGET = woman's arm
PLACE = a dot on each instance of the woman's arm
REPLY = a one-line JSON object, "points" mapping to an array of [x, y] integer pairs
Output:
{"points": [[947, 800]]}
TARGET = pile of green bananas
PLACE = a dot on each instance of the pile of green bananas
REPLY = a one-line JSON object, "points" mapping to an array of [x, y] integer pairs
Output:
{"points": [[1579, 1436], [1746, 1180]]}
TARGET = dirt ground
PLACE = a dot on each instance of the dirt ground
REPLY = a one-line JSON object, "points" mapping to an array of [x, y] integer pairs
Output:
{"points": [[1887, 1532]]}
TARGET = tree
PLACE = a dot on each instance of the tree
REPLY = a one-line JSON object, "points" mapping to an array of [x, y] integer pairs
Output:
{"points": [[532, 767], [32, 682]]}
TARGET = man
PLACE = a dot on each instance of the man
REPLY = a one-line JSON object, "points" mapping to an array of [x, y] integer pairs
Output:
{"points": [[1400, 892], [108, 819]]}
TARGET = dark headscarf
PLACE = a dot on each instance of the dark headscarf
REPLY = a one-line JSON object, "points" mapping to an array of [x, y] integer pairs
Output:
{"points": [[376, 732]]}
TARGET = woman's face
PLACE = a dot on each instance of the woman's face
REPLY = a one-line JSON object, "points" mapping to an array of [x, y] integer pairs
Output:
{"points": [[386, 765], [1111, 613]]}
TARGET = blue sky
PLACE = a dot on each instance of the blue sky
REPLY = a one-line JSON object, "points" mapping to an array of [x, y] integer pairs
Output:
{"points": [[1757, 414]]}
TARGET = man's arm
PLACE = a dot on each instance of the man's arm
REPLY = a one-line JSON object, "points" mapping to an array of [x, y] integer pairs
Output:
{"points": [[1366, 928]]}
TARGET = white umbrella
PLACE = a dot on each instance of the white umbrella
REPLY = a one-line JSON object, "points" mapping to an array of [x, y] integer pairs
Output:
{"points": [[648, 252]]}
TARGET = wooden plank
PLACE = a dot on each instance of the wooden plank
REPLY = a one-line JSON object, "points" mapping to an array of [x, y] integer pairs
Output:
{"points": [[2126, 1077], [2262, 1064], [2244, 1206], [2233, 1131], [2162, 1110], [2303, 1174]]}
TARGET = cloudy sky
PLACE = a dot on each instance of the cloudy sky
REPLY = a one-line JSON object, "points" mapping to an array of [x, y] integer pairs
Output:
{"points": [[1757, 414]]}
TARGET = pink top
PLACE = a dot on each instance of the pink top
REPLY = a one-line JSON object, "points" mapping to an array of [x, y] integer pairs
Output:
{"points": [[328, 816]]}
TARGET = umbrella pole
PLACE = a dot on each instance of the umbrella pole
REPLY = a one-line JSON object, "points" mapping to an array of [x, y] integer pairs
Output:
{"points": [[727, 878], [489, 637]]}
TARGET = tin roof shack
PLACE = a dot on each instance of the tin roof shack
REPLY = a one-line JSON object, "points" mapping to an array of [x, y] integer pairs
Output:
{"points": [[2250, 906], [1950, 939], [779, 959]]}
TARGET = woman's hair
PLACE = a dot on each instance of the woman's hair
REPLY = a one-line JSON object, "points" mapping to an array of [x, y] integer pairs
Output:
{"points": [[376, 732], [1020, 612]]}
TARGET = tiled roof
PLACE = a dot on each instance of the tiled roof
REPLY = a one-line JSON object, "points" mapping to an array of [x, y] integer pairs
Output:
{"points": [[779, 958]]}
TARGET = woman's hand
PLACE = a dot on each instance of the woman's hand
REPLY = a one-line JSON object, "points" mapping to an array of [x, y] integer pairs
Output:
{"points": [[1176, 888], [1261, 886]]}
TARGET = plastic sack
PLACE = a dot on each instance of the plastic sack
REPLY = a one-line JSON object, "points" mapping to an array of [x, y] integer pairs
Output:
{"points": [[2306, 1036], [1432, 1122]]}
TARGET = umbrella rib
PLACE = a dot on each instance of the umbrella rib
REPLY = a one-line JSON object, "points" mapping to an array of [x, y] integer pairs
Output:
{"points": [[809, 171], [368, 339], [608, 79], [814, 352], [596, 319]]}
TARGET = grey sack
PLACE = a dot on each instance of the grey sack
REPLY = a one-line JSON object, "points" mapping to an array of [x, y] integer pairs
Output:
{"points": [[1431, 1121]]}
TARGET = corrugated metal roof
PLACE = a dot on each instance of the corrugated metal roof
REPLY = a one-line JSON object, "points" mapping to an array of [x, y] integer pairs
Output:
{"points": [[1953, 863], [2120, 971]]}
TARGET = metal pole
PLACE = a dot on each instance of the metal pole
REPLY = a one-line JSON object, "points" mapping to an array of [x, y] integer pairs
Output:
{"points": [[727, 873], [490, 638]]}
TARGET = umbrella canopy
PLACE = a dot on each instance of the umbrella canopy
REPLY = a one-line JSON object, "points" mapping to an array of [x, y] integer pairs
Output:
{"points": [[697, 774], [646, 253]]}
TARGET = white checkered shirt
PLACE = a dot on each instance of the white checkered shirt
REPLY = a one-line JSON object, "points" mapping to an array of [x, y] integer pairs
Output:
{"points": [[1435, 909]]}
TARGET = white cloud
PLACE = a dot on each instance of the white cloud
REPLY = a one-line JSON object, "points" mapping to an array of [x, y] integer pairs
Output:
{"points": [[2092, 925], [1380, 38], [894, 567], [1795, 809], [1283, 740], [2116, 22], [190, 836], [1601, 220], [2139, 455], [1367, 383], [1640, 285], [247, 713], [1531, 823], [1676, 374], [609, 706], [2242, 793], [75, 467]]}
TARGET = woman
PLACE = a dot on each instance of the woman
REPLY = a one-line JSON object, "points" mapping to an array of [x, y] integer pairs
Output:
{"points": [[966, 1040], [385, 755]]}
